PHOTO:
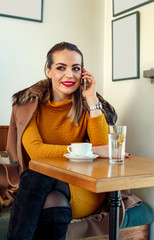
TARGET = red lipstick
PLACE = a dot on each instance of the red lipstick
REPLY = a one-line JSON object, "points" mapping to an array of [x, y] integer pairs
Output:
{"points": [[68, 83]]}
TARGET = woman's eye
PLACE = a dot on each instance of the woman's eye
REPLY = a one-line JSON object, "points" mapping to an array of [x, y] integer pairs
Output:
{"points": [[60, 68], [76, 69]]}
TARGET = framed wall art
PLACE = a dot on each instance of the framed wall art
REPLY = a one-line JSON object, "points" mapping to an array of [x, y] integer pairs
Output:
{"points": [[31, 10], [125, 47], [122, 6]]}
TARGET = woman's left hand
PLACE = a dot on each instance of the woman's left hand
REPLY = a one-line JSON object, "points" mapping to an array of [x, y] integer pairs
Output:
{"points": [[103, 151], [90, 92]]}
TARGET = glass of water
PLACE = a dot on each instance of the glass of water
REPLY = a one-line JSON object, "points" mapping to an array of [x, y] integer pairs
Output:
{"points": [[117, 142]]}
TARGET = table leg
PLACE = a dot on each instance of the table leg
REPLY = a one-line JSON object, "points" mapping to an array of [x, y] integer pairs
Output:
{"points": [[114, 215]]}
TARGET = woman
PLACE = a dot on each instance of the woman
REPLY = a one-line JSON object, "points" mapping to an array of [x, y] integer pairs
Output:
{"points": [[46, 118]]}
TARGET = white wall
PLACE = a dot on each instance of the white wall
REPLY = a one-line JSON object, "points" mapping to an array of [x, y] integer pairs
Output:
{"points": [[24, 44], [134, 99]]}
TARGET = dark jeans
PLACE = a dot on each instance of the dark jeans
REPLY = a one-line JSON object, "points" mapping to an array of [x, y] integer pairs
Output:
{"points": [[27, 212]]}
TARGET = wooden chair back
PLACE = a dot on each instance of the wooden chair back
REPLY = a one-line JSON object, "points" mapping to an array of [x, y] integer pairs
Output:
{"points": [[3, 137]]}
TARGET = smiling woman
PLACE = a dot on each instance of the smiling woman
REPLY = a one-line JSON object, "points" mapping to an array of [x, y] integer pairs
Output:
{"points": [[65, 73], [53, 114]]}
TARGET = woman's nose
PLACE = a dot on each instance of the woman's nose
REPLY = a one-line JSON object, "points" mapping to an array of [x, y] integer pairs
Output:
{"points": [[69, 73]]}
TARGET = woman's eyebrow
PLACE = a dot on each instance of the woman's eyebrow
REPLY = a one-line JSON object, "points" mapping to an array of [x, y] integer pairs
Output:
{"points": [[63, 64], [76, 64]]}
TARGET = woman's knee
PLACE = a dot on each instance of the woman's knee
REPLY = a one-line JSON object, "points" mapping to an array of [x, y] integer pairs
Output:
{"points": [[56, 199], [33, 181]]}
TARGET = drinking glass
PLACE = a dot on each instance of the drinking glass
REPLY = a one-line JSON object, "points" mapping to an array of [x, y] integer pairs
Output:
{"points": [[117, 142]]}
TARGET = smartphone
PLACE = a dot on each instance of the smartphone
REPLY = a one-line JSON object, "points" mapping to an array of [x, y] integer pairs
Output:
{"points": [[84, 82]]}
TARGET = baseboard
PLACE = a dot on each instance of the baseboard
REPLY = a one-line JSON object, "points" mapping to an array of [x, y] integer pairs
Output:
{"points": [[137, 233]]}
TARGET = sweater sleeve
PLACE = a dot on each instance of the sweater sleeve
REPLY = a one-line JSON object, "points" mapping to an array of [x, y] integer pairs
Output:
{"points": [[98, 130], [36, 148]]}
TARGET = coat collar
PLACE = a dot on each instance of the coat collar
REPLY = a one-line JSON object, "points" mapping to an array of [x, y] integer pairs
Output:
{"points": [[40, 89]]}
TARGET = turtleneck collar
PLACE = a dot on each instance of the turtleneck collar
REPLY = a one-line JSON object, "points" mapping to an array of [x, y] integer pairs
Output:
{"points": [[60, 105]]}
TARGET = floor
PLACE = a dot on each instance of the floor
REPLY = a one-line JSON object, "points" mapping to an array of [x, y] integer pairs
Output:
{"points": [[4, 219]]}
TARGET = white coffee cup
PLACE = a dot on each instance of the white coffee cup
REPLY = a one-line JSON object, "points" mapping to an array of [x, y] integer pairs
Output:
{"points": [[80, 149]]}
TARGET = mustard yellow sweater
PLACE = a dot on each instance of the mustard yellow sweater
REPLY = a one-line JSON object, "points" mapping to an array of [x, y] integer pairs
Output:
{"points": [[51, 131]]}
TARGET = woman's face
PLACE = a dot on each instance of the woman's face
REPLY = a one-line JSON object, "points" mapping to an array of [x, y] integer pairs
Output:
{"points": [[65, 73]]}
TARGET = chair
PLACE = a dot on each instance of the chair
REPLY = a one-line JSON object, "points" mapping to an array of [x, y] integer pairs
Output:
{"points": [[3, 137], [135, 224]]}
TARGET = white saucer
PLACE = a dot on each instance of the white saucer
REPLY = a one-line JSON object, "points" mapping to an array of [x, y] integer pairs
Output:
{"points": [[80, 158]]}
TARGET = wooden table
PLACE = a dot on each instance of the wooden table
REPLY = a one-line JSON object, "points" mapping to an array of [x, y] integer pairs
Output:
{"points": [[101, 176]]}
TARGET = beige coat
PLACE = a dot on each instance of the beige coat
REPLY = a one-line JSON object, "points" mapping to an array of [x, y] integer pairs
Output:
{"points": [[10, 174]]}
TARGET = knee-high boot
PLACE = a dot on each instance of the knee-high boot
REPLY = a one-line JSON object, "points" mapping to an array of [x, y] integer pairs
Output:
{"points": [[53, 223], [28, 204]]}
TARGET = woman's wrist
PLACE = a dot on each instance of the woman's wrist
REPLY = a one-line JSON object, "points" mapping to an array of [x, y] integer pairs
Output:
{"points": [[93, 104], [95, 107], [92, 100]]}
